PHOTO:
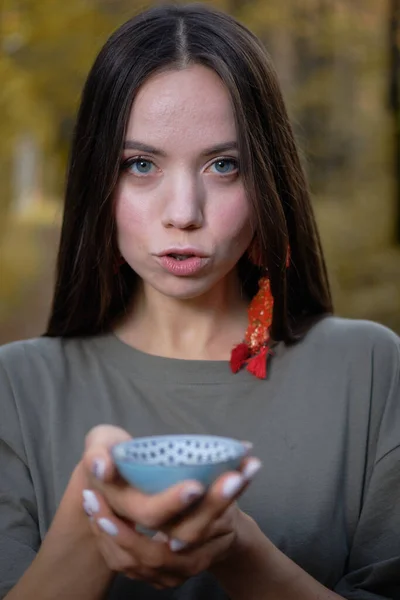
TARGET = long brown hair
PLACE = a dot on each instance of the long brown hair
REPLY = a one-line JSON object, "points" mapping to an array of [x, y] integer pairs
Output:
{"points": [[88, 295]]}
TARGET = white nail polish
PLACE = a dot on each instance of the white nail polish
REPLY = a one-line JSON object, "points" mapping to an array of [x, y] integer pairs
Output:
{"points": [[90, 503], [107, 526], [248, 445], [191, 493], [88, 510], [232, 485], [251, 468], [160, 537], [177, 545], [99, 468]]}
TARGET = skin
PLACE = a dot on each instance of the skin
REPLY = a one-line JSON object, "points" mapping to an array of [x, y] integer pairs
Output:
{"points": [[186, 197]]}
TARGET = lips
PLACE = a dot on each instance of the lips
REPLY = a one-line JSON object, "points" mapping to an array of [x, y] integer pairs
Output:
{"points": [[183, 262]]}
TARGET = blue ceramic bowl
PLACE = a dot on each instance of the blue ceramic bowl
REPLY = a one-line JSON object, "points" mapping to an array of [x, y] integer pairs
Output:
{"points": [[153, 464]]}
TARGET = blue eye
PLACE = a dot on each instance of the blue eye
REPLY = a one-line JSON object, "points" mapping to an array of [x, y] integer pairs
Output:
{"points": [[225, 166], [139, 166]]}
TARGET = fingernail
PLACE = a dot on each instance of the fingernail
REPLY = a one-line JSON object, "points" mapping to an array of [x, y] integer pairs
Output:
{"points": [[251, 468], [160, 537], [90, 503], [88, 510], [99, 468], [232, 485], [191, 493], [248, 445], [107, 526], [177, 545]]}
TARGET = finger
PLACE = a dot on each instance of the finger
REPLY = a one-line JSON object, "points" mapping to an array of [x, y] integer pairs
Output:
{"points": [[160, 537], [196, 525], [249, 467], [151, 511], [102, 521], [128, 551], [248, 446], [97, 458], [198, 559], [124, 548]]}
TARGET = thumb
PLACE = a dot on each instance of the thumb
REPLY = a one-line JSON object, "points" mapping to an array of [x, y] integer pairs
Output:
{"points": [[97, 458]]}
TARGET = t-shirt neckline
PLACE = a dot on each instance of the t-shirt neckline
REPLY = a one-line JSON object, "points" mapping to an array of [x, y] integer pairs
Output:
{"points": [[162, 369]]}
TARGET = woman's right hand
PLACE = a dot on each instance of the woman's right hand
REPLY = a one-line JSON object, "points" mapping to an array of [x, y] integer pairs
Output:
{"points": [[114, 508]]}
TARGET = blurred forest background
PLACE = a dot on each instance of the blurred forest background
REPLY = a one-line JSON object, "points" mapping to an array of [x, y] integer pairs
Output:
{"points": [[338, 62]]}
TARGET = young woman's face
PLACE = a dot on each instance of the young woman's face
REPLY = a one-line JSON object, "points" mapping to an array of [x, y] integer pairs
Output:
{"points": [[183, 219]]}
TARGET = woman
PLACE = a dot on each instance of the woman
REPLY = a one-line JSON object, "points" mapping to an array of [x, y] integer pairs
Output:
{"points": [[187, 214]]}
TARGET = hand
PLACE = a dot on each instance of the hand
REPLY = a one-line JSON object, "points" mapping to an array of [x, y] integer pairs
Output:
{"points": [[195, 529]]}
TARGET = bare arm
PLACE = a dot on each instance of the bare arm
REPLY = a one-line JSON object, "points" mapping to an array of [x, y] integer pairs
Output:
{"points": [[69, 563]]}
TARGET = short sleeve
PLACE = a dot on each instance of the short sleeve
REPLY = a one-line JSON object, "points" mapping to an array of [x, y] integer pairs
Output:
{"points": [[373, 570], [19, 534], [374, 565]]}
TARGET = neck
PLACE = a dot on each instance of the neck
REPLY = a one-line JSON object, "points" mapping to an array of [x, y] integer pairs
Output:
{"points": [[202, 328]]}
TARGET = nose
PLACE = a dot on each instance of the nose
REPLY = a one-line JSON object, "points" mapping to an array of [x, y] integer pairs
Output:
{"points": [[184, 202]]}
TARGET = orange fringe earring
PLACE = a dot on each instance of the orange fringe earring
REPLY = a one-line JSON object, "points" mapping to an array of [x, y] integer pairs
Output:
{"points": [[254, 351]]}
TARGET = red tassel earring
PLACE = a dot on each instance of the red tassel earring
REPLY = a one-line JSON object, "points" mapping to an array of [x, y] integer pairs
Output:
{"points": [[253, 352]]}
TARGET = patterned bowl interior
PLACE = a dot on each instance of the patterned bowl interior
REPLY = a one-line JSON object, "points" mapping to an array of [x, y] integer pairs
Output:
{"points": [[179, 450]]}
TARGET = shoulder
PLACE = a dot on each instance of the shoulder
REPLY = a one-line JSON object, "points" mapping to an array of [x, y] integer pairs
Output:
{"points": [[340, 329], [24, 373], [40, 361], [36, 375], [360, 357], [43, 346], [355, 338], [18, 357], [360, 361]]}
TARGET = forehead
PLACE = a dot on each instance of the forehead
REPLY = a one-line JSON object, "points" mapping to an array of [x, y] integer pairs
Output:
{"points": [[185, 105]]}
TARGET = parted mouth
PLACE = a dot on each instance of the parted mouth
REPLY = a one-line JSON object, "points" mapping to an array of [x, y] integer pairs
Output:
{"points": [[180, 256], [182, 253]]}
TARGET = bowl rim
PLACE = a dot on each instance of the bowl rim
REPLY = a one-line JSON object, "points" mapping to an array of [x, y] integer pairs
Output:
{"points": [[242, 450]]}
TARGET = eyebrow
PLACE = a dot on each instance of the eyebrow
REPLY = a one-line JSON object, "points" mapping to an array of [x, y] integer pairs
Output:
{"points": [[217, 149]]}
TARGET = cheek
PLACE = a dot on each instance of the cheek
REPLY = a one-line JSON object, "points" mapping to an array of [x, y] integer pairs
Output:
{"points": [[132, 224], [232, 217], [129, 217]]}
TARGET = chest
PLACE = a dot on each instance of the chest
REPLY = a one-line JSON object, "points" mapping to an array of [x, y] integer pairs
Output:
{"points": [[306, 497]]}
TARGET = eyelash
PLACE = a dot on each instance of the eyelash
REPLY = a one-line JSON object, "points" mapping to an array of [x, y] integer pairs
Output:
{"points": [[131, 161]]}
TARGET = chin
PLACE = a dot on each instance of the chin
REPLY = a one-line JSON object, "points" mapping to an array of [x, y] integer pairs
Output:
{"points": [[186, 292], [185, 289]]}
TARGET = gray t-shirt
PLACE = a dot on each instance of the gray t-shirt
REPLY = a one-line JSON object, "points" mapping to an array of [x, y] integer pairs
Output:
{"points": [[325, 423]]}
